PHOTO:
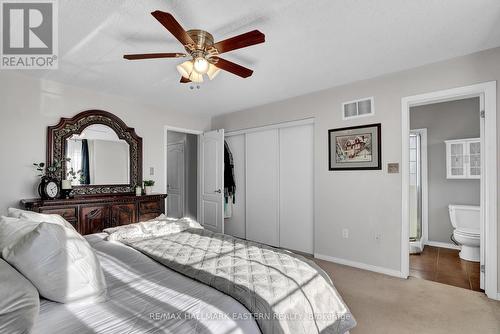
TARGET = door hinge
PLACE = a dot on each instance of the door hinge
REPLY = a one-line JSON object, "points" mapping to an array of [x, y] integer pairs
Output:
{"points": [[482, 113], [482, 268]]}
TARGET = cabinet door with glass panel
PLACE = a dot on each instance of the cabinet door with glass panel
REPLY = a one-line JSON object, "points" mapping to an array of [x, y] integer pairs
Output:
{"points": [[463, 158]]}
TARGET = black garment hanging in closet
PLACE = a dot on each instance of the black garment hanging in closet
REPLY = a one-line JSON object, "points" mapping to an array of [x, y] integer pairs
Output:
{"points": [[229, 183]]}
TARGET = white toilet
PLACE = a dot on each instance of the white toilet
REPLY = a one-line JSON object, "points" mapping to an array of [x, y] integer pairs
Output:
{"points": [[465, 221]]}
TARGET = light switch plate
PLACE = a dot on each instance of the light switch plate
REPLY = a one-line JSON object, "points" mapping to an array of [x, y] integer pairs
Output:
{"points": [[393, 168], [151, 171]]}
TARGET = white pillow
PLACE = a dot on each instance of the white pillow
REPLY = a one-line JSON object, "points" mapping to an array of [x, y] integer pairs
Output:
{"points": [[39, 217], [19, 301], [11, 229], [60, 263]]}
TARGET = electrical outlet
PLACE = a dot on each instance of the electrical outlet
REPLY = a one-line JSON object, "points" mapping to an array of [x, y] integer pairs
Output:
{"points": [[345, 233], [378, 237]]}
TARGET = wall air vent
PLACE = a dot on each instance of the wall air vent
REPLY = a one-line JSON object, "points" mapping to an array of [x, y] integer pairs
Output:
{"points": [[358, 108]]}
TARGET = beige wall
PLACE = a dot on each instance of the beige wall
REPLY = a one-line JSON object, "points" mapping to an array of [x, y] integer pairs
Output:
{"points": [[366, 202], [29, 105]]}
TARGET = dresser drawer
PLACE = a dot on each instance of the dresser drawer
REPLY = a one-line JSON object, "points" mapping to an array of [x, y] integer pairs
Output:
{"points": [[92, 214], [68, 213], [150, 207], [148, 216]]}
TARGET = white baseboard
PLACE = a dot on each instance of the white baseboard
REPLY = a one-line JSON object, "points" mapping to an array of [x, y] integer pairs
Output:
{"points": [[360, 265], [441, 244]]}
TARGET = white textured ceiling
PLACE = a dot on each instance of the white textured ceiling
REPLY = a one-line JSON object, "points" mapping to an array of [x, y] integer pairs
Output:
{"points": [[310, 45]]}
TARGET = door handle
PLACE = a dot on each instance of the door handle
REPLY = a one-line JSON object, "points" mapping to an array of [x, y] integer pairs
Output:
{"points": [[218, 191]]}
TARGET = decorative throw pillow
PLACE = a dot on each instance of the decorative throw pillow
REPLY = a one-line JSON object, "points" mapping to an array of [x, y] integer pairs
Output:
{"points": [[39, 217], [19, 301], [60, 263], [11, 229]]}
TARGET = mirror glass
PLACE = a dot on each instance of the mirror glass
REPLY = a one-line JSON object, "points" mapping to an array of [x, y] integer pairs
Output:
{"points": [[97, 157]]}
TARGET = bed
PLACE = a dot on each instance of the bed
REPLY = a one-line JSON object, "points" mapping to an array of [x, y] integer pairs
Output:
{"points": [[144, 297], [196, 281]]}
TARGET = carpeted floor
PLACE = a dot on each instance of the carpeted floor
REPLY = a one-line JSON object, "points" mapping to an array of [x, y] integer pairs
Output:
{"points": [[384, 304]]}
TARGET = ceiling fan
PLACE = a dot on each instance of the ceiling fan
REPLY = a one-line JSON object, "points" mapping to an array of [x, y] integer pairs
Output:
{"points": [[204, 53]]}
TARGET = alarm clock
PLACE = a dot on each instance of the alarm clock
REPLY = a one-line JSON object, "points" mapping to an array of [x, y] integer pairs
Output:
{"points": [[49, 188]]}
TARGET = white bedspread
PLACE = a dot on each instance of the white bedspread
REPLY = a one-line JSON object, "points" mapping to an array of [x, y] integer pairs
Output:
{"points": [[146, 297]]}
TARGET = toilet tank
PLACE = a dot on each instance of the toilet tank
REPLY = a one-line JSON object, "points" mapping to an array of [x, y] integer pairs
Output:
{"points": [[464, 216]]}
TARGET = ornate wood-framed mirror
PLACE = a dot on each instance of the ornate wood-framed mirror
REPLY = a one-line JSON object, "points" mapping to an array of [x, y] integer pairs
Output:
{"points": [[104, 152]]}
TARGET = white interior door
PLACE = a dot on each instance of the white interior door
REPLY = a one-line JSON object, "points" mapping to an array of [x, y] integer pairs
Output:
{"points": [[175, 180], [262, 187], [211, 180]]}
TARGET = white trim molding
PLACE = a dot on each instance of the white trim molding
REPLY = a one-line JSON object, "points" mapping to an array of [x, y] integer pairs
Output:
{"points": [[487, 92], [360, 265]]}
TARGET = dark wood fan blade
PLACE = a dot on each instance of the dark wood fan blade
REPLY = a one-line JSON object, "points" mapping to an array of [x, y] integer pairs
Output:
{"points": [[229, 66], [184, 80], [169, 22], [240, 41], [153, 55]]}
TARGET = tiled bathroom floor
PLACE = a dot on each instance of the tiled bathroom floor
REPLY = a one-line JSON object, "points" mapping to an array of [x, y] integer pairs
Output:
{"points": [[445, 266]]}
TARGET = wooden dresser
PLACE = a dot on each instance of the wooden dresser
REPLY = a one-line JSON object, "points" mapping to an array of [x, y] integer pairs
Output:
{"points": [[92, 214]]}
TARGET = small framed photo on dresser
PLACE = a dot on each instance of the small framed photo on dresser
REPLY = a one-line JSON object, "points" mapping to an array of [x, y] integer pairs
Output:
{"points": [[355, 148]]}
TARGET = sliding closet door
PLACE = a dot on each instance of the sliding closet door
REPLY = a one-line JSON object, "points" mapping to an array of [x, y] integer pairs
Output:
{"points": [[296, 188], [262, 204]]}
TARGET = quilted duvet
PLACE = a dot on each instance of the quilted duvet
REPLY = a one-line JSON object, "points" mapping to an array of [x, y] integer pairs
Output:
{"points": [[284, 292]]}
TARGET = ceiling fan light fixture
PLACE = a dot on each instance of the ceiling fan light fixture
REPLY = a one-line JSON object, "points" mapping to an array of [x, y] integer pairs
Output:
{"points": [[185, 69], [196, 77], [201, 50], [201, 65], [213, 71]]}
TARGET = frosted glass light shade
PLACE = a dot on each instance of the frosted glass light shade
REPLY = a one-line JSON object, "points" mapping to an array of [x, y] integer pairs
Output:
{"points": [[213, 71], [185, 68], [201, 65], [196, 77]]}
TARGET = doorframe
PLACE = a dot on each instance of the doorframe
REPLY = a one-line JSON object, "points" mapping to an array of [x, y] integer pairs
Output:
{"points": [[488, 172], [425, 183], [167, 128]]}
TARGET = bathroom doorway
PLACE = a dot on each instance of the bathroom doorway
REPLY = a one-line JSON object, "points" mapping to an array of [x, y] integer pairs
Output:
{"points": [[450, 132], [455, 241]]}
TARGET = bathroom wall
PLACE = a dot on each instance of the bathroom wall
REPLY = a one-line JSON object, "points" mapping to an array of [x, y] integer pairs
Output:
{"points": [[444, 121]]}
